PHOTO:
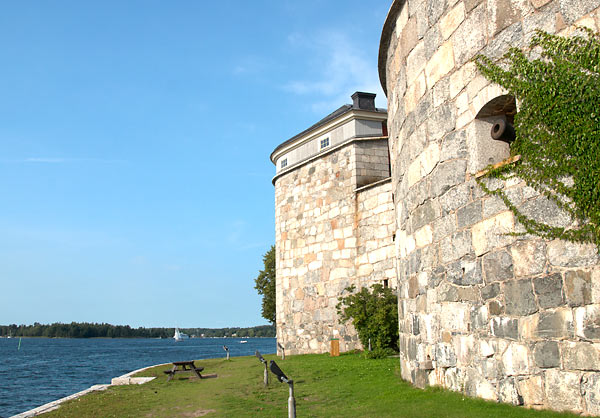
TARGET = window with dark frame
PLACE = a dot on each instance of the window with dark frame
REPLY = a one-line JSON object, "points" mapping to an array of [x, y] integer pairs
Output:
{"points": [[324, 142], [284, 163]]}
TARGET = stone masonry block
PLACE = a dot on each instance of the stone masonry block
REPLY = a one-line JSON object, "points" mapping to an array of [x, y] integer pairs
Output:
{"points": [[563, 390], [549, 290], [446, 175], [578, 287], [497, 266], [555, 324], [529, 257], [469, 215], [455, 246], [569, 254], [546, 354], [493, 232], [519, 298], [590, 387], [452, 20], [440, 64], [580, 356]]}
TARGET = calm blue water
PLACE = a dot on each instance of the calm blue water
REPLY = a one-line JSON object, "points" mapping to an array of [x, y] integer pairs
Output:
{"points": [[44, 369]]}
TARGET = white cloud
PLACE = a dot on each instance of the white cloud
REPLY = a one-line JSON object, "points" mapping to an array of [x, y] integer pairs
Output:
{"points": [[340, 68]]}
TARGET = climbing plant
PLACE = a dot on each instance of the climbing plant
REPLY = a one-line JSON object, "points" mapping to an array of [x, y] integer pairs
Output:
{"points": [[556, 82]]}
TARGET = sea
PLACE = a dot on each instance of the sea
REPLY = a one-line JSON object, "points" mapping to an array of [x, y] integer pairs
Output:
{"points": [[35, 371]]}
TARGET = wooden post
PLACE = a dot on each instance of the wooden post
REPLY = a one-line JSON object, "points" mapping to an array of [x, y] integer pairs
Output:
{"points": [[266, 376], [335, 347]]}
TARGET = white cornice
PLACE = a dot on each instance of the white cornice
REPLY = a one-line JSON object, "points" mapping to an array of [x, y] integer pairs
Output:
{"points": [[328, 127]]}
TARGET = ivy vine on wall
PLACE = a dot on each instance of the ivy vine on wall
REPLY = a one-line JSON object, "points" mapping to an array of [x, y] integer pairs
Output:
{"points": [[556, 82]]}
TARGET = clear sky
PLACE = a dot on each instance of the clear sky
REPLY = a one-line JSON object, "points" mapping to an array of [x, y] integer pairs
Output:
{"points": [[135, 137]]}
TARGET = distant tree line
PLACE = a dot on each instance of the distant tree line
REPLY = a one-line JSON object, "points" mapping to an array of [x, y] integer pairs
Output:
{"points": [[93, 330], [260, 331]]}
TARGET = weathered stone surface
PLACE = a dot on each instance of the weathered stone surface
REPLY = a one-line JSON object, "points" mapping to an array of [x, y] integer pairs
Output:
{"points": [[578, 287], [507, 392], [497, 266], [441, 121], [455, 246], [546, 211], [440, 64], [590, 387], [580, 356], [569, 254], [516, 359], [529, 257], [447, 175], [469, 215], [513, 308], [532, 390], [572, 10], [447, 293], [454, 145], [490, 291], [555, 324], [504, 14], [470, 37], [445, 355], [415, 62], [587, 322], [505, 328], [549, 290], [414, 92], [425, 214], [452, 20], [435, 9], [539, 3], [495, 307], [465, 272], [545, 354], [454, 198], [509, 37], [562, 390], [519, 298], [493, 232]]}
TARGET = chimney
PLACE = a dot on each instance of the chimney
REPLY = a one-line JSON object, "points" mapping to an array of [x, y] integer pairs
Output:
{"points": [[364, 101]]}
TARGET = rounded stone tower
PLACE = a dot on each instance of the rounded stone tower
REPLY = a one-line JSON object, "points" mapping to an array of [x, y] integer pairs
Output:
{"points": [[498, 316]]}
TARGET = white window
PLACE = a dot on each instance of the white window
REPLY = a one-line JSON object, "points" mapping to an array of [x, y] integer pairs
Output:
{"points": [[324, 143], [284, 163]]}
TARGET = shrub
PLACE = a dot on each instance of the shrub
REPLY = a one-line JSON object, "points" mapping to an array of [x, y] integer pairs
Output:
{"points": [[374, 314]]}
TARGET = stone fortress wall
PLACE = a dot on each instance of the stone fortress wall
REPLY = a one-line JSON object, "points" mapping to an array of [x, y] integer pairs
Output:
{"points": [[502, 317], [334, 226]]}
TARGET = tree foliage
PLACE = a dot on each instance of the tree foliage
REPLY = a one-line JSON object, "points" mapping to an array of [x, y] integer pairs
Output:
{"points": [[93, 330], [557, 85], [265, 285], [374, 314]]}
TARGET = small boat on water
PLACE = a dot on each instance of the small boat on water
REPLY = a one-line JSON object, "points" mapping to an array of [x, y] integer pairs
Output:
{"points": [[179, 336], [243, 342]]}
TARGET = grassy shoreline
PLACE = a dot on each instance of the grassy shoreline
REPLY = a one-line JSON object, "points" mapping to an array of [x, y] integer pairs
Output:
{"points": [[347, 386]]}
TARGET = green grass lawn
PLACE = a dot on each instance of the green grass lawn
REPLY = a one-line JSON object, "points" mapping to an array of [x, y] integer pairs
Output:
{"points": [[345, 386]]}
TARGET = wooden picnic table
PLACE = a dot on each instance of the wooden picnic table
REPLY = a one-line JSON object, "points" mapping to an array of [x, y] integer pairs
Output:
{"points": [[183, 367]]}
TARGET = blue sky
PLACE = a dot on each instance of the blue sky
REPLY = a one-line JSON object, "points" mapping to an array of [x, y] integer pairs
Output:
{"points": [[135, 139]]}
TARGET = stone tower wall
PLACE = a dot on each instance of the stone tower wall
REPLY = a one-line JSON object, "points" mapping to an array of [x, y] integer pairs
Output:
{"points": [[329, 235], [503, 317]]}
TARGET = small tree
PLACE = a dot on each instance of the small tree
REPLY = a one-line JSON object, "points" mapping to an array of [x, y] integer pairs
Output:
{"points": [[265, 285], [374, 314]]}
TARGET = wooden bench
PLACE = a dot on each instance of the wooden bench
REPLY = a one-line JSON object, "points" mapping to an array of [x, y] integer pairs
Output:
{"points": [[183, 367]]}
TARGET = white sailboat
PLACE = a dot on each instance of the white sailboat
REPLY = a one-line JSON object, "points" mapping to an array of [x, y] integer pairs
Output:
{"points": [[179, 336]]}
